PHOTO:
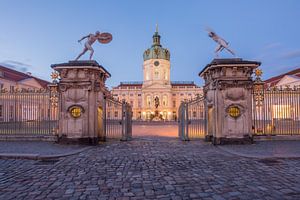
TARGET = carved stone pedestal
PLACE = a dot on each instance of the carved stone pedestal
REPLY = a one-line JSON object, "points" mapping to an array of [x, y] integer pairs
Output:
{"points": [[81, 88], [227, 91]]}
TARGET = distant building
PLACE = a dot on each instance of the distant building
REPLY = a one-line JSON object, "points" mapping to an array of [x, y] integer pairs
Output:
{"points": [[291, 79], [22, 106], [11, 79], [157, 97]]}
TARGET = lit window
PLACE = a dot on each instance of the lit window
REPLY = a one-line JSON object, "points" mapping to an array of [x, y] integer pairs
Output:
{"points": [[165, 101], [148, 100], [194, 114]]}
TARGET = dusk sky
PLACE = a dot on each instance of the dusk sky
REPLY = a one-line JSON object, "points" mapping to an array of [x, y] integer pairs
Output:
{"points": [[35, 34]]}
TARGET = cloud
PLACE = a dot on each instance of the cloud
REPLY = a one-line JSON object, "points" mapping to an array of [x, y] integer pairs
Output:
{"points": [[274, 45], [290, 54], [269, 51], [23, 67]]}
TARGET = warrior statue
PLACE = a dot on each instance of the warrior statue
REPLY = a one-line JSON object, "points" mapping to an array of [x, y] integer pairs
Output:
{"points": [[222, 44], [103, 38]]}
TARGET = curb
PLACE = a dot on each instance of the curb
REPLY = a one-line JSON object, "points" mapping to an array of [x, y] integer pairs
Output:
{"points": [[39, 156]]}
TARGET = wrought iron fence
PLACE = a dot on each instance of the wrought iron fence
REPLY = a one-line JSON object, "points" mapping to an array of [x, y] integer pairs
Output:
{"points": [[118, 119], [192, 120], [276, 110], [29, 111]]}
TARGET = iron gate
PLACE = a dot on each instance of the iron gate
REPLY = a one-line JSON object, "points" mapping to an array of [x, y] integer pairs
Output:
{"points": [[29, 111], [192, 119], [276, 110], [118, 119]]}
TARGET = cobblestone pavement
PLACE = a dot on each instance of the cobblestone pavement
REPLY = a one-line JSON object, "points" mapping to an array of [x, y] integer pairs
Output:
{"points": [[151, 168]]}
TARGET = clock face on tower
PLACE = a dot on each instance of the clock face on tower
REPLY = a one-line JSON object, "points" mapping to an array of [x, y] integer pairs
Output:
{"points": [[156, 63]]}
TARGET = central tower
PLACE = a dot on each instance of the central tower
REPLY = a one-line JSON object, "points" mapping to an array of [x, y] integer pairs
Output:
{"points": [[156, 88], [156, 65]]}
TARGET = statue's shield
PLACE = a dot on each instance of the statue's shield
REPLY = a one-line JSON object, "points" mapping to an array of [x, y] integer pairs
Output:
{"points": [[105, 38]]}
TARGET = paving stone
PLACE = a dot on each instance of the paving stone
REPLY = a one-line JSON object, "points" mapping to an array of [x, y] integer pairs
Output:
{"points": [[156, 168]]}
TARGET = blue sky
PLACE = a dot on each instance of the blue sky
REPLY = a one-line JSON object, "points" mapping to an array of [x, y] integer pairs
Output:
{"points": [[35, 34]]}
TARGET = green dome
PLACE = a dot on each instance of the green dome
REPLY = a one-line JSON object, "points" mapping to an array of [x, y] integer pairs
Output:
{"points": [[156, 51]]}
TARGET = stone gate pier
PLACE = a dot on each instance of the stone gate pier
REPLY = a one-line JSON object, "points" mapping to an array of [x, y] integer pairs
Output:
{"points": [[228, 100], [81, 88]]}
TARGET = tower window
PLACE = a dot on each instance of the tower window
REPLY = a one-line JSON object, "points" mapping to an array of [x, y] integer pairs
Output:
{"points": [[156, 74]]}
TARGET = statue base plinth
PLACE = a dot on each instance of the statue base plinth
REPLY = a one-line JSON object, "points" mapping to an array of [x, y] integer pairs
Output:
{"points": [[81, 89], [228, 96], [81, 141], [247, 139]]}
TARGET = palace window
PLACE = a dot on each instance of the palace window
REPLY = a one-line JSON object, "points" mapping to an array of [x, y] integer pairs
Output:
{"points": [[131, 95], [174, 95], [131, 103], [165, 75], [139, 95], [148, 115], [108, 114], [174, 104], [116, 113], [194, 114], [12, 88], [156, 74], [139, 104], [165, 101], [174, 115], [149, 100], [1, 74]]}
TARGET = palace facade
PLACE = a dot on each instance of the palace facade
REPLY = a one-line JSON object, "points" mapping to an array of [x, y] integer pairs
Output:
{"points": [[18, 99], [12, 79], [290, 79], [156, 97]]}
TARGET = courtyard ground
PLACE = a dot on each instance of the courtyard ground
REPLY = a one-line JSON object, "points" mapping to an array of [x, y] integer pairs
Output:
{"points": [[157, 168]]}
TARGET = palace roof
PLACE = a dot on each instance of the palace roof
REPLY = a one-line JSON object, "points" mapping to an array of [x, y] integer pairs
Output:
{"points": [[16, 76], [140, 83], [156, 51], [274, 80]]}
